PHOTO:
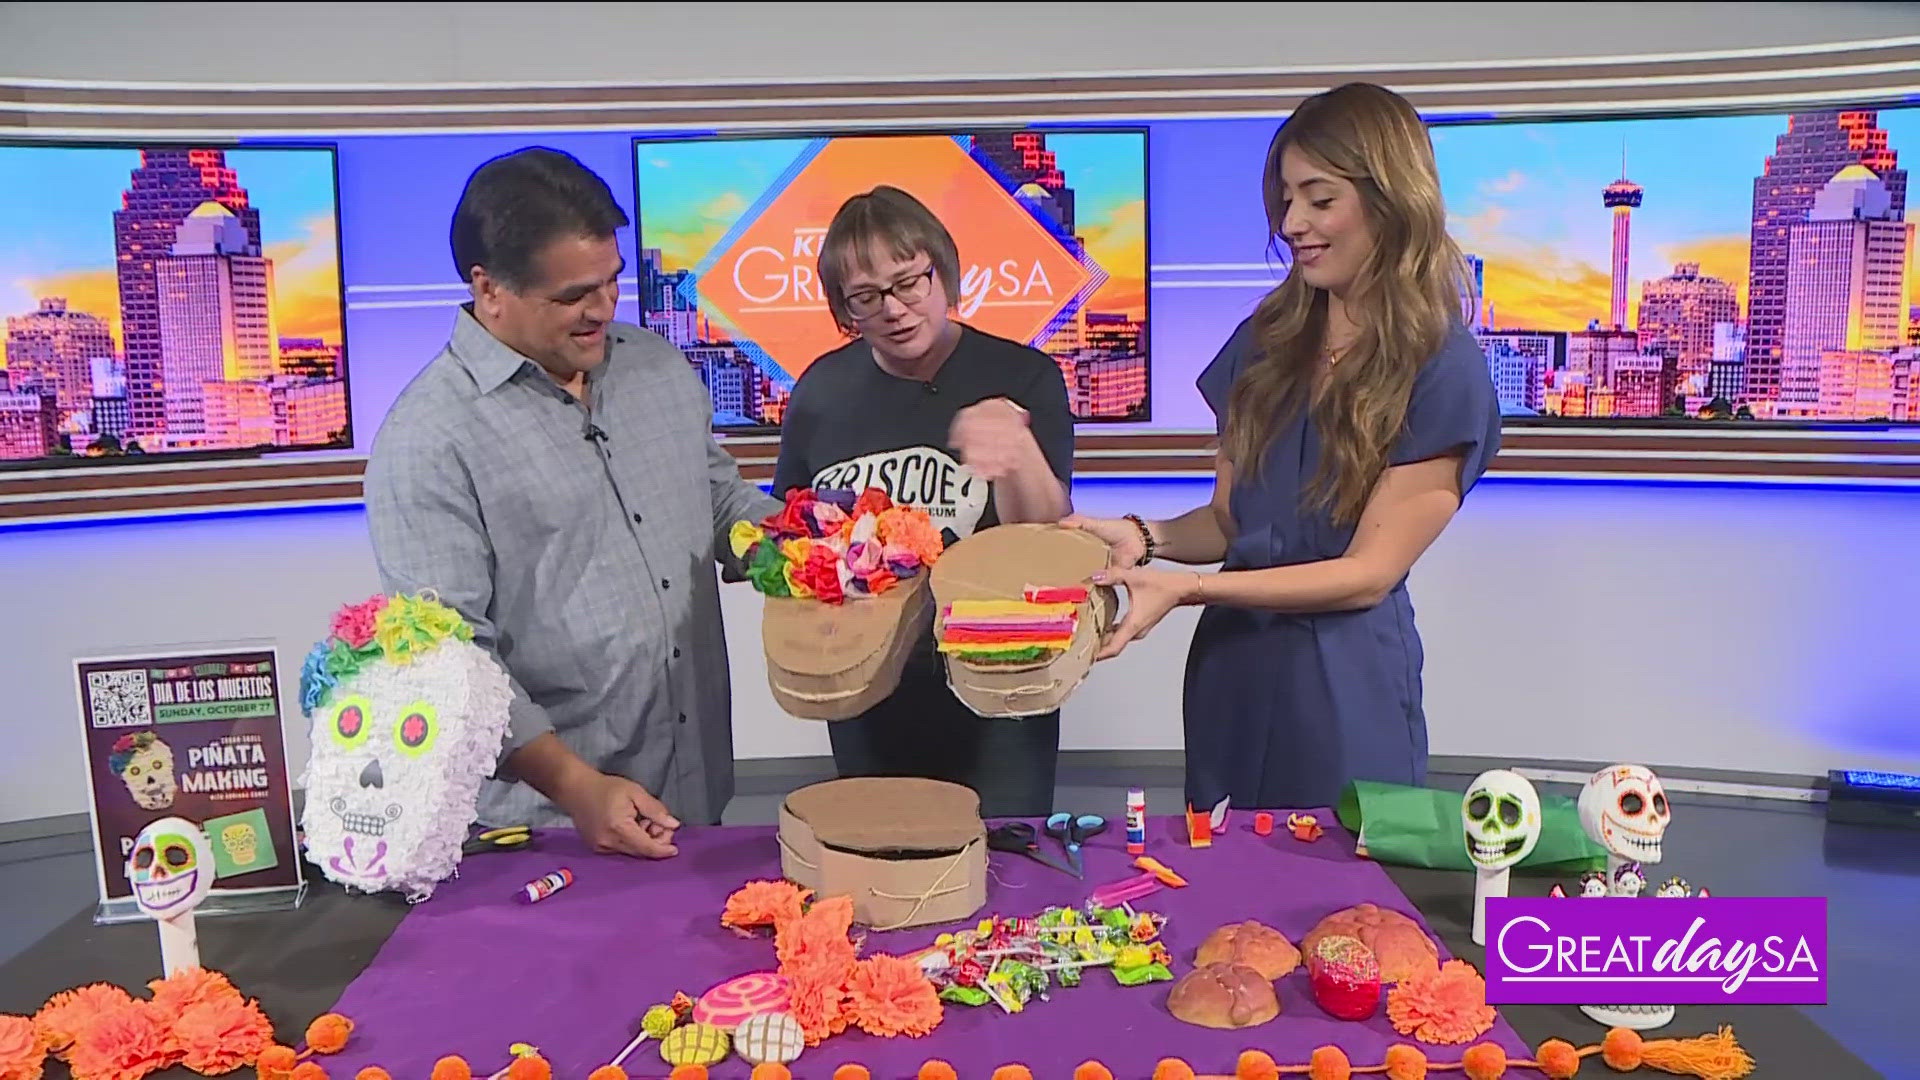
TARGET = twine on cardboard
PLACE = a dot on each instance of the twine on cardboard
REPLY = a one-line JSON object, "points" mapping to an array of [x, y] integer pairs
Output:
{"points": [[788, 848], [833, 695], [933, 890]]}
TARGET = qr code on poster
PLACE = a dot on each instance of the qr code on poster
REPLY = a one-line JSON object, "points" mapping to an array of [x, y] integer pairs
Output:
{"points": [[119, 698]]}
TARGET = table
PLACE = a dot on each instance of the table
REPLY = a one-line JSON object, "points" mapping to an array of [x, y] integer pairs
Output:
{"points": [[299, 964]]}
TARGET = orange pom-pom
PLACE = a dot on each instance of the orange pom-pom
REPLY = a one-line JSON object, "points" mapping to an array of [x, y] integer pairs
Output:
{"points": [[771, 1070], [852, 1071], [530, 1067], [1172, 1069], [451, 1067], [608, 1072], [1255, 1065], [309, 1070], [1329, 1063], [1013, 1072], [1406, 1062], [1559, 1060], [1484, 1061], [1621, 1049], [328, 1034], [688, 1072], [935, 1069], [23, 1049], [277, 1062], [372, 1072], [1092, 1070]]}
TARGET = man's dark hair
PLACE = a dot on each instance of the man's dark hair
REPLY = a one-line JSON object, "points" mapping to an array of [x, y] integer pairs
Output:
{"points": [[517, 203]]}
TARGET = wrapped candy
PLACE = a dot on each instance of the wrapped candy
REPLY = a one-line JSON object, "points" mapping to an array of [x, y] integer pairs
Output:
{"points": [[1344, 977]]}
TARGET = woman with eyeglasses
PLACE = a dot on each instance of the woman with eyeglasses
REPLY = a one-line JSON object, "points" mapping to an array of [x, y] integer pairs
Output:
{"points": [[973, 428]]}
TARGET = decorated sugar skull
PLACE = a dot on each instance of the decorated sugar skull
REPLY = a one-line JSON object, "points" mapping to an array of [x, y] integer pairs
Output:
{"points": [[170, 868], [1674, 888], [1628, 880], [144, 763], [408, 719], [1624, 809], [1501, 817], [1593, 883], [242, 843]]}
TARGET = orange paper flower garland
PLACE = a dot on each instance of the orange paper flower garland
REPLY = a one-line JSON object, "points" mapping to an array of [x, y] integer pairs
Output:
{"points": [[195, 1018], [828, 987]]}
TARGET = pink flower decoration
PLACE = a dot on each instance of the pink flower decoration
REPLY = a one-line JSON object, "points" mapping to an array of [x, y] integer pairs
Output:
{"points": [[354, 624]]}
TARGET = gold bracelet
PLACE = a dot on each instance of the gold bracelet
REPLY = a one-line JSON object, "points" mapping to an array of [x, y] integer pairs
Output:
{"points": [[1199, 588]]}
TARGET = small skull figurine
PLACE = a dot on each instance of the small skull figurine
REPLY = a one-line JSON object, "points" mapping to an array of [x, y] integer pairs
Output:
{"points": [[1593, 883], [1628, 880], [1501, 818], [1624, 809], [1674, 888]]}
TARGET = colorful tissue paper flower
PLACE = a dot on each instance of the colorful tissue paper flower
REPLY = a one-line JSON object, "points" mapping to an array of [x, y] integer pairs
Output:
{"points": [[768, 569], [841, 499], [316, 682], [354, 623], [69, 1012], [743, 536], [790, 520], [821, 574], [797, 549], [871, 501], [124, 1042], [863, 558], [900, 528], [217, 1036], [825, 519], [186, 988], [412, 625]]}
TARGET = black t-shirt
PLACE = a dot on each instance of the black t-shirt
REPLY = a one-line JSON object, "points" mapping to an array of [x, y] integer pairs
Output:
{"points": [[851, 425]]}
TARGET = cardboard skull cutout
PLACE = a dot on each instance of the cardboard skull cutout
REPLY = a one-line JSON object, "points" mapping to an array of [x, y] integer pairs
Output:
{"points": [[1501, 818], [171, 868], [408, 719], [1624, 809]]}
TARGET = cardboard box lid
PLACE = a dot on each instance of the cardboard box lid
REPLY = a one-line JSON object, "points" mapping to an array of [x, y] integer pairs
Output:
{"points": [[808, 637], [998, 563], [888, 814]]}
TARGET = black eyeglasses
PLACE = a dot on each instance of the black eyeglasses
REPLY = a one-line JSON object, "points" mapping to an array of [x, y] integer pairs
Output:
{"points": [[867, 303]]}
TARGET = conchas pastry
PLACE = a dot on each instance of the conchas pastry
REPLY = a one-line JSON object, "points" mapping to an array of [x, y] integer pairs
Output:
{"points": [[694, 1044], [1223, 996], [1252, 944], [1397, 942], [769, 1037]]}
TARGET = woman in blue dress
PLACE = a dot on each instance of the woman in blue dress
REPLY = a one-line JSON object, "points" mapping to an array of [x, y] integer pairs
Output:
{"points": [[1355, 411]]}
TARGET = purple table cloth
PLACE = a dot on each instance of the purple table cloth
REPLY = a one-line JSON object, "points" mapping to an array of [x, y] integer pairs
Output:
{"points": [[476, 969]]}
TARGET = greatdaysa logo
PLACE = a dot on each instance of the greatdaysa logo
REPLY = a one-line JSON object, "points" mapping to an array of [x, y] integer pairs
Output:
{"points": [[762, 282], [1719, 950]]}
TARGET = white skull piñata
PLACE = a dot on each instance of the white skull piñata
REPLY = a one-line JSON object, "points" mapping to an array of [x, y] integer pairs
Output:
{"points": [[408, 719], [1624, 809], [1501, 817]]}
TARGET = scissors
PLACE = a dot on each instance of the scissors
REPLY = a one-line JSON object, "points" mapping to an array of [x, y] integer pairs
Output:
{"points": [[1019, 838], [1073, 831], [507, 838]]}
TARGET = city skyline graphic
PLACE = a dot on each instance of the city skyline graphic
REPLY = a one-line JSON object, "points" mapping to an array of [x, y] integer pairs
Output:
{"points": [[168, 300], [1051, 228], [1709, 268]]}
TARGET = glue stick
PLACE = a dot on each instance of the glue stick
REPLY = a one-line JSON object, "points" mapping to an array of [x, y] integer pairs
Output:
{"points": [[536, 891], [1136, 821]]}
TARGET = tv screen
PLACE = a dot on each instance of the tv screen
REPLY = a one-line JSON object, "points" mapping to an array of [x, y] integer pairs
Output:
{"points": [[1718, 269], [1050, 225], [169, 301]]}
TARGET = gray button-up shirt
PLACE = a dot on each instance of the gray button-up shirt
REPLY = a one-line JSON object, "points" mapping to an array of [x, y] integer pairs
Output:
{"points": [[586, 564]]}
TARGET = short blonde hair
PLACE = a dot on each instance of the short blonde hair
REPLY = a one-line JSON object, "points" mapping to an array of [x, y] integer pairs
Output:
{"points": [[889, 219]]}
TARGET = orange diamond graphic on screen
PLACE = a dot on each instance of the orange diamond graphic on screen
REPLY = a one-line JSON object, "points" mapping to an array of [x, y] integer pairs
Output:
{"points": [[763, 283]]}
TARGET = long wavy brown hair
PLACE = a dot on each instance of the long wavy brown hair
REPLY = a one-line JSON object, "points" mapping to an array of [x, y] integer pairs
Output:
{"points": [[1409, 292]]}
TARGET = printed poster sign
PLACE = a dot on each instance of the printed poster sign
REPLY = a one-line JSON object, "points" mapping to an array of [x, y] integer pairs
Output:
{"points": [[196, 736]]}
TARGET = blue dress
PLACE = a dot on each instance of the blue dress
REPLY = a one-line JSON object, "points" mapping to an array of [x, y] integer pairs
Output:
{"points": [[1284, 710]]}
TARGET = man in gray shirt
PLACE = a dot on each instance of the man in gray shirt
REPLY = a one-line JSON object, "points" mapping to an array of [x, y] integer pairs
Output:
{"points": [[552, 475]]}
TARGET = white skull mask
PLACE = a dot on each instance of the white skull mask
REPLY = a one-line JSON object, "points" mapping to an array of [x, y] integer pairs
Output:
{"points": [[1501, 818], [399, 751], [1624, 809], [170, 868]]}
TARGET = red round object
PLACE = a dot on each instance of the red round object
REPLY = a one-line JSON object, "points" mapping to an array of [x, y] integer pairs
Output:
{"points": [[1263, 823], [1344, 977]]}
